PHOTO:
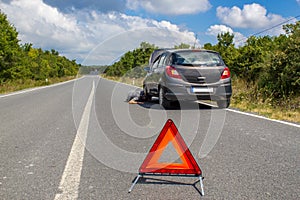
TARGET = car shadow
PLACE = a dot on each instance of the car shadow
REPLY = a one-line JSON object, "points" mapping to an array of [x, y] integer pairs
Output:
{"points": [[154, 104]]}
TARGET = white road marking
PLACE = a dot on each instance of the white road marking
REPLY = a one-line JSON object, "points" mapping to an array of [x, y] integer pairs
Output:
{"points": [[265, 118], [70, 180], [253, 115]]}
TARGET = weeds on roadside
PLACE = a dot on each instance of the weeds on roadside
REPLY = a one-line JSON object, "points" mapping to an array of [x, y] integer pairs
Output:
{"points": [[12, 86], [247, 98]]}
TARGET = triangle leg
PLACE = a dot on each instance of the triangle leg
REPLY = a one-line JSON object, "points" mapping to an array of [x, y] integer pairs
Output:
{"points": [[201, 185], [135, 181]]}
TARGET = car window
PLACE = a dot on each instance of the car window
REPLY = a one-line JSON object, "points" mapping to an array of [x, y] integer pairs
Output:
{"points": [[155, 55], [155, 64], [169, 60], [191, 58], [161, 61]]}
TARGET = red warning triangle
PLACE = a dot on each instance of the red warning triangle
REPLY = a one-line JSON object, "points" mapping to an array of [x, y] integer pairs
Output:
{"points": [[151, 164]]}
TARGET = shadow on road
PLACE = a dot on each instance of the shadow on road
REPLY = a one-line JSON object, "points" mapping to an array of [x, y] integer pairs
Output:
{"points": [[158, 181], [177, 106]]}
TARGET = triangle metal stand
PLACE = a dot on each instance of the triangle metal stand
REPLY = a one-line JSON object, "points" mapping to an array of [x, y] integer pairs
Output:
{"points": [[134, 183], [141, 175]]}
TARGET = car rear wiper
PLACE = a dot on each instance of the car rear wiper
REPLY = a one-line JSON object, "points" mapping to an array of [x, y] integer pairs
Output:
{"points": [[186, 64]]}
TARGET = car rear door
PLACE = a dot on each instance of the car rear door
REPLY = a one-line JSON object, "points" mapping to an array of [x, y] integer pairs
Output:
{"points": [[158, 73], [152, 78]]}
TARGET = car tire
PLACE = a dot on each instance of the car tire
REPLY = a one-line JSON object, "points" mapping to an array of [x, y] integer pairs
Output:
{"points": [[148, 97], [162, 99], [223, 103]]}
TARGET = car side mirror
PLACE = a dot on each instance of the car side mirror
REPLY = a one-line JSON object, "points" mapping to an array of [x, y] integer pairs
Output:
{"points": [[147, 69]]}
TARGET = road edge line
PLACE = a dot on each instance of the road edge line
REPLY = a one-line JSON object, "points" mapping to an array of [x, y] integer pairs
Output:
{"points": [[38, 88], [265, 118]]}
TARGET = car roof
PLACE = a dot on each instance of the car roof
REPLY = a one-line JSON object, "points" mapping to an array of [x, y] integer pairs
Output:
{"points": [[156, 53], [189, 50]]}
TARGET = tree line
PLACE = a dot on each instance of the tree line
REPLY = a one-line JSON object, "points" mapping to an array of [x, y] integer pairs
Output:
{"points": [[22, 62], [269, 66], [132, 60]]}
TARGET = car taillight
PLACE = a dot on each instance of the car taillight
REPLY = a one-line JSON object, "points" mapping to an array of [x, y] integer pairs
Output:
{"points": [[225, 73], [171, 71]]}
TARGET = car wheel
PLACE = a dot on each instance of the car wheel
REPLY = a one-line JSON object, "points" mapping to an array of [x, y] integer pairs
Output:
{"points": [[162, 100], [147, 95], [223, 103]]}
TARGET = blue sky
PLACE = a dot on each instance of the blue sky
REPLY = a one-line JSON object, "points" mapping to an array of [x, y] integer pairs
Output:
{"points": [[97, 32]]}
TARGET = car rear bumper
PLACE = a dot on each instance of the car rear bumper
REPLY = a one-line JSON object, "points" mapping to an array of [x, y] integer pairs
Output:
{"points": [[175, 92]]}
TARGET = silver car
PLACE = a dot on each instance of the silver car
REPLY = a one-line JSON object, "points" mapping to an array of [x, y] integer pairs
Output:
{"points": [[188, 75]]}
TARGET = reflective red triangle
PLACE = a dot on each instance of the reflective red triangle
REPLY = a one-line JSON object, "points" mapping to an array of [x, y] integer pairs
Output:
{"points": [[168, 134]]}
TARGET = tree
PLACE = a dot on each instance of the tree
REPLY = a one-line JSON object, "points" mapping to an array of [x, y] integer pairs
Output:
{"points": [[146, 45], [182, 46], [26, 47], [225, 40], [227, 50], [208, 46], [9, 48], [130, 60], [283, 75], [21, 62]]}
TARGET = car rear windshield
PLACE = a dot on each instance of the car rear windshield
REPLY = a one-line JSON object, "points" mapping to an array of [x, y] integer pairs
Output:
{"points": [[197, 58]]}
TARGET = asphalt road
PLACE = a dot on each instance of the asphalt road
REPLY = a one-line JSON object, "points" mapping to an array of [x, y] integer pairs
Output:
{"points": [[80, 140]]}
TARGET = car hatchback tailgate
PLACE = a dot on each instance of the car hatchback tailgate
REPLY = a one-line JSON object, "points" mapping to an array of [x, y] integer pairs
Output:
{"points": [[200, 74]]}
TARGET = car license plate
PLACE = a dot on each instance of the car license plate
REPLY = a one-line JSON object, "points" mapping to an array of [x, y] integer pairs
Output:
{"points": [[201, 89]]}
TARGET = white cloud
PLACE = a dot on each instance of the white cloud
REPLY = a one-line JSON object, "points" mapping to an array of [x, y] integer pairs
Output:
{"points": [[88, 36], [102, 5], [170, 7], [251, 16], [214, 30], [298, 1], [43, 25]]}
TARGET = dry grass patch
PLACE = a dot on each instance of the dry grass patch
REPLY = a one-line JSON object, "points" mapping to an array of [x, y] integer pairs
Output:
{"points": [[12, 86], [246, 100], [130, 81]]}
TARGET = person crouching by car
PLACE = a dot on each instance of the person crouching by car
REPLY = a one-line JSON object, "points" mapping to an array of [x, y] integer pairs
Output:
{"points": [[136, 97]]}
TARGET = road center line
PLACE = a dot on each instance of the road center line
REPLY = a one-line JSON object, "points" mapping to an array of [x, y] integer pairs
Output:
{"points": [[70, 180]]}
